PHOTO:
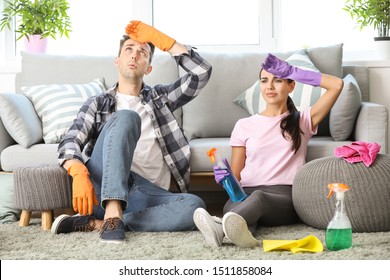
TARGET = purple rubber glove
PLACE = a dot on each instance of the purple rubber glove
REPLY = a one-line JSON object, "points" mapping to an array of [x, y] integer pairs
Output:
{"points": [[281, 69], [220, 173]]}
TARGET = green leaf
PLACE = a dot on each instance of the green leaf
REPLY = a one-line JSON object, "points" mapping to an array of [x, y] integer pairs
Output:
{"points": [[45, 17]]}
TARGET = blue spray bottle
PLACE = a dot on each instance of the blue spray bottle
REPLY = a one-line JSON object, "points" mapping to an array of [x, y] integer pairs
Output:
{"points": [[229, 182]]}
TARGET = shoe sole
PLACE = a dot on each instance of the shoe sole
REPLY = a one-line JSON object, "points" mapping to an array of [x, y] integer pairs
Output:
{"points": [[56, 222], [205, 224], [236, 230]]}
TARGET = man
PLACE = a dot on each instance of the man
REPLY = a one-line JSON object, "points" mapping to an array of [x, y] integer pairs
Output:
{"points": [[132, 127]]}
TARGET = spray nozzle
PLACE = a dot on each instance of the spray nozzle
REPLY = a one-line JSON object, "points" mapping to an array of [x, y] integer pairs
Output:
{"points": [[212, 153], [214, 158], [338, 188]]}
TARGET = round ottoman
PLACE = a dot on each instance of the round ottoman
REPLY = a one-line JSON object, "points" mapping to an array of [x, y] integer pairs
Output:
{"points": [[367, 202], [42, 188]]}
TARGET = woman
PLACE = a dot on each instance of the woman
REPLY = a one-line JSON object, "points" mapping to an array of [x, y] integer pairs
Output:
{"points": [[267, 151]]}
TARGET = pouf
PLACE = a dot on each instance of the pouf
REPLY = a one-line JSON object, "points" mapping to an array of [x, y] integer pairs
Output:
{"points": [[367, 202], [41, 188]]}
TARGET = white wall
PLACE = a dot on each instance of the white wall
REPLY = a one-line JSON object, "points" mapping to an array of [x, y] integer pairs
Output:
{"points": [[380, 89]]}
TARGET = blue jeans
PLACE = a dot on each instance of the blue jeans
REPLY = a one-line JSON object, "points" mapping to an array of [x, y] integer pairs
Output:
{"points": [[146, 207]]}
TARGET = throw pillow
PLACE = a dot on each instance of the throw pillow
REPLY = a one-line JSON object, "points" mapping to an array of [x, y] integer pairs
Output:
{"points": [[58, 105], [20, 119], [344, 112], [303, 95]]}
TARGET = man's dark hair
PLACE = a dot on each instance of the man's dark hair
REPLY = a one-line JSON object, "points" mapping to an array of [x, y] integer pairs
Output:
{"points": [[127, 37]]}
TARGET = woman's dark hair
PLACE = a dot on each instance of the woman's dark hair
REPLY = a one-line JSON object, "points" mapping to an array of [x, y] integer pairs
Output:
{"points": [[290, 125]]}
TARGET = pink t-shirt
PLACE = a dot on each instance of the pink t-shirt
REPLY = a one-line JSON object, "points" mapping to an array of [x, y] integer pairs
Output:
{"points": [[269, 157]]}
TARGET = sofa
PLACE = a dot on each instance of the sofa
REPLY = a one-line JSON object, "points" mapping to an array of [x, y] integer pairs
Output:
{"points": [[41, 106]]}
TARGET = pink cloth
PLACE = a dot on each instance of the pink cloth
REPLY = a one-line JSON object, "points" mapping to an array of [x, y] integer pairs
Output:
{"points": [[359, 151]]}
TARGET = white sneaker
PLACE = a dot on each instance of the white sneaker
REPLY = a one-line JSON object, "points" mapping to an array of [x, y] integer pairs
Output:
{"points": [[209, 226], [236, 230]]}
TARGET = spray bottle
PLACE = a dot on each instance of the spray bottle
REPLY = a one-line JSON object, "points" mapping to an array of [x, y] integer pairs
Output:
{"points": [[229, 182], [338, 233]]}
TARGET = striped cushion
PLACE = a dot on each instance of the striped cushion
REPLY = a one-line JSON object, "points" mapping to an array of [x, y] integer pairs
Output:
{"points": [[303, 95], [57, 105]]}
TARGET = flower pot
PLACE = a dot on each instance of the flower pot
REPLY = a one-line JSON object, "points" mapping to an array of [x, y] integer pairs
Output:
{"points": [[382, 45], [35, 44]]}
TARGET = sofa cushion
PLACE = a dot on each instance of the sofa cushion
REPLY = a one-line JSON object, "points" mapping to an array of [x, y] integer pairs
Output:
{"points": [[328, 59], [344, 112], [15, 156], [20, 119], [212, 113], [57, 105]]}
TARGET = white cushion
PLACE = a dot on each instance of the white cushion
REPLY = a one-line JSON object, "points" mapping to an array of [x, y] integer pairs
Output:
{"points": [[20, 119], [57, 105]]}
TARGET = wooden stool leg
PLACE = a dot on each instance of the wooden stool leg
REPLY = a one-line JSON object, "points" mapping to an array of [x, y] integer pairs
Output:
{"points": [[47, 219], [25, 218]]}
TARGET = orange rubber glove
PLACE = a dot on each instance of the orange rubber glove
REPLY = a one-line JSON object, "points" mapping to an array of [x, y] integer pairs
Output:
{"points": [[83, 191], [143, 33]]}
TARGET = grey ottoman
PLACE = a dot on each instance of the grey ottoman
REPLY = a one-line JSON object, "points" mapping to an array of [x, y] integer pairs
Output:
{"points": [[367, 202], [42, 188]]}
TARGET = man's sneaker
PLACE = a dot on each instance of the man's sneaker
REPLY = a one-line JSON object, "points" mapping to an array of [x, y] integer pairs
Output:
{"points": [[236, 230], [112, 231], [210, 227], [66, 224]]}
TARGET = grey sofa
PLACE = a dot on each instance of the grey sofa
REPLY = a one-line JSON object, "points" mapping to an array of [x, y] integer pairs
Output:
{"points": [[207, 120]]}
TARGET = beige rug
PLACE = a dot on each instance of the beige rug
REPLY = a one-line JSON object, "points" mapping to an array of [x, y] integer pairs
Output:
{"points": [[31, 243]]}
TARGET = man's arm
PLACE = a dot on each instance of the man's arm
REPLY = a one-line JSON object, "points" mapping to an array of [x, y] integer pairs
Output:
{"points": [[177, 49], [70, 157], [198, 69], [144, 33]]}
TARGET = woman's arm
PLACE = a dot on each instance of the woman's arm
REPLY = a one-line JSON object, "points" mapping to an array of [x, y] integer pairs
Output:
{"points": [[332, 84], [324, 104], [238, 161]]}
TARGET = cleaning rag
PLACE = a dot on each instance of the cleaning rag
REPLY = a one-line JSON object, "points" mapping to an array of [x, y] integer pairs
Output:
{"points": [[309, 244], [359, 151]]}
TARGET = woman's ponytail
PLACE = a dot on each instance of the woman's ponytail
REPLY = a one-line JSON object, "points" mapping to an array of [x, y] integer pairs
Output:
{"points": [[290, 125]]}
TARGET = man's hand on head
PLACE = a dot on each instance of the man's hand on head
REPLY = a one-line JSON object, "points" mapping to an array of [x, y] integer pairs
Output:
{"points": [[144, 33]]}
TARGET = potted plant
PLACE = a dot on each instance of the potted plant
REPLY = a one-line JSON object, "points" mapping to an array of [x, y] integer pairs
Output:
{"points": [[375, 13], [37, 19]]}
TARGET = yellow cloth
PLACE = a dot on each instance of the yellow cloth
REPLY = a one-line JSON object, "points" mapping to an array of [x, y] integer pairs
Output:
{"points": [[308, 244]]}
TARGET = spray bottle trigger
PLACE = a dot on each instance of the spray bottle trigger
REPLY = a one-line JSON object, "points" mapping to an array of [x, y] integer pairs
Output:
{"points": [[336, 187]]}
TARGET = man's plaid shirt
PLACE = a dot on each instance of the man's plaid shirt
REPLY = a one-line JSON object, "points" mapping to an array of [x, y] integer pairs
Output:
{"points": [[160, 102]]}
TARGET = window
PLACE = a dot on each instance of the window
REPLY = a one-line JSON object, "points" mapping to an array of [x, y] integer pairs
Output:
{"points": [[260, 25], [307, 23], [97, 26], [217, 24], [207, 23]]}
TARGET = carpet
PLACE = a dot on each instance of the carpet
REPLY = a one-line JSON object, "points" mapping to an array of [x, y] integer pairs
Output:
{"points": [[31, 243]]}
